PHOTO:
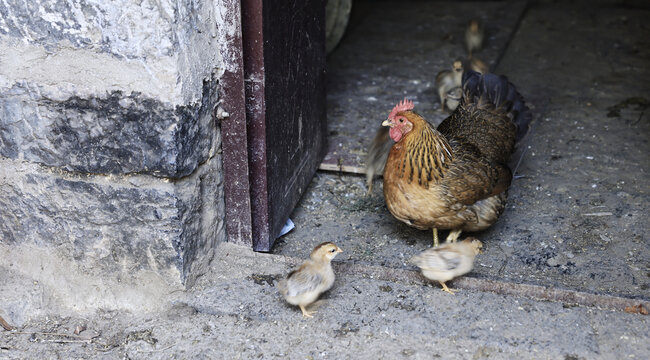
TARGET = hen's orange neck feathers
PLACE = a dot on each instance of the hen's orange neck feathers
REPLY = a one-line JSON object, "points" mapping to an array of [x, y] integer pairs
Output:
{"points": [[424, 153]]}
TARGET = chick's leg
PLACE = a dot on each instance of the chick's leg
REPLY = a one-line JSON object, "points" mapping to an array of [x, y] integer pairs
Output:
{"points": [[453, 235], [435, 237], [306, 313], [445, 288], [443, 96]]}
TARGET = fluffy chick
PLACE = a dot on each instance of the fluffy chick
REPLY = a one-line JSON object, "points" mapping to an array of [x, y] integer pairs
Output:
{"points": [[315, 276], [447, 80], [474, 34], [453, 98], [447, 261], [475, 64]]}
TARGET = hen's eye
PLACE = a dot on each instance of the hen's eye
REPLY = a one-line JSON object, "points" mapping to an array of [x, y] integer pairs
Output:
{"points": [[401, 120]]}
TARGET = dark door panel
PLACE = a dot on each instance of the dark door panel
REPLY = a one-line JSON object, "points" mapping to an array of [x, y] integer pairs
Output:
{"points": [[284, 56]]}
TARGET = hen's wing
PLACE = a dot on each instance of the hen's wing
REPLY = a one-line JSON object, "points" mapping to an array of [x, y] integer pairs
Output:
{"points": [[472, 177], [482, 133], [302, 280]]}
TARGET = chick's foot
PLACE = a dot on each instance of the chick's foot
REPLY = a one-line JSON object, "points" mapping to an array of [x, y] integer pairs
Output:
{"points": [[445, 288], [453, 235], [306, 313]]}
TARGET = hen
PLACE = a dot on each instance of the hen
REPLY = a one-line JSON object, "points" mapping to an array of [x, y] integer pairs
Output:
{"points": [[456, 176], [315, 276]]}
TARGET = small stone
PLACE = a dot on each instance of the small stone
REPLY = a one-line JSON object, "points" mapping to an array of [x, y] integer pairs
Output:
{"points": [[554, 261]]}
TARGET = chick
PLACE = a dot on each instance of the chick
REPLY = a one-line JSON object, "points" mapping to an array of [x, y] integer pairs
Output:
{"points": [[447, 261], [453, 98], [315, 276], [377, 155], [475, 64], [446, 80], [474, 34]]}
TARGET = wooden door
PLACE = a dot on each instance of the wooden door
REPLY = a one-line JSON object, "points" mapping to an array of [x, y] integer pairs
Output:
{"points": [[284, 75]]}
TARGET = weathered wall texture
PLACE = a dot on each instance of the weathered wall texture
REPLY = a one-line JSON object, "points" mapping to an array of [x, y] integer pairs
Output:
{"points": [[109, 155]]}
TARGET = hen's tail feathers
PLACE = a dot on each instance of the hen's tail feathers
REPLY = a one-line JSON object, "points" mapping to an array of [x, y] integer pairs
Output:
{"points": [[497, 90], [377, 155]]}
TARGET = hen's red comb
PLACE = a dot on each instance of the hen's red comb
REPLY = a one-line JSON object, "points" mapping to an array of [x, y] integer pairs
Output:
{"points": [[401, 106]]}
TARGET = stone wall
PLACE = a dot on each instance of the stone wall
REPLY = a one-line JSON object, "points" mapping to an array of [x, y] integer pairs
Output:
{"points": [[109, 154]]}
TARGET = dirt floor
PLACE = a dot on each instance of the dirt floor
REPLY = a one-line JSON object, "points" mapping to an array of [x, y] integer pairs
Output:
{"points": [[237, 313], [575, 227]]}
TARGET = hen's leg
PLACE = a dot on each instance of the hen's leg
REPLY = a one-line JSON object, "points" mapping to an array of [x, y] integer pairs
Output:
{"points": [[453, 235], [306, 313], [445, 288], [435, 237]]}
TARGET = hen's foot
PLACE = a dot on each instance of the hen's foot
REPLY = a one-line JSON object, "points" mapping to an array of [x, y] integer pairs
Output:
{"points": [[306, 313], [445, 288]]}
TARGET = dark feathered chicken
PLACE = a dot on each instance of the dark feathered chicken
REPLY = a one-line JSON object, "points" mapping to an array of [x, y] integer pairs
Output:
{"points": [[455, 177]]}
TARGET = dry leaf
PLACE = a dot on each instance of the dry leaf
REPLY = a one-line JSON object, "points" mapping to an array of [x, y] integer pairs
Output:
{"points": [[79, 329], [636, 309], [5, 324]]}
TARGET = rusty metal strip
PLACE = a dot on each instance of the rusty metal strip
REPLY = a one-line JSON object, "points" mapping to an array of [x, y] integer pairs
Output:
{"points": [[233, 129], [536, 292], [254, 75]]}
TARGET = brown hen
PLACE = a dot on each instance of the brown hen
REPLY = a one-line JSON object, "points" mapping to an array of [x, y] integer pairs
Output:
{"points": [[455, 177]]}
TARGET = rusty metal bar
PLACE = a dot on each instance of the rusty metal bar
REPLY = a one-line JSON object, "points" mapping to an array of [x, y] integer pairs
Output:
{"points": [[500, 287], [233, 129], [253, 41]]}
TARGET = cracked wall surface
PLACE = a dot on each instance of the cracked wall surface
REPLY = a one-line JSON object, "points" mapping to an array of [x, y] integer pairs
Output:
{"points": [[110, 157]]}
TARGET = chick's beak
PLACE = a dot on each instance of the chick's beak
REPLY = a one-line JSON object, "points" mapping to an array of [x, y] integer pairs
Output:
{"points": [[387, 122], [339, 250]]}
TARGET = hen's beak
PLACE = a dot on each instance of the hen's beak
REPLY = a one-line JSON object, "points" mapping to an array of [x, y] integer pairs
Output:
{"points": [[387, 123]]}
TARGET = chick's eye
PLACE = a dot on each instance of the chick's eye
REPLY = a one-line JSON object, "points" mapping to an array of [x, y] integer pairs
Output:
{"points": [[333, 250]]}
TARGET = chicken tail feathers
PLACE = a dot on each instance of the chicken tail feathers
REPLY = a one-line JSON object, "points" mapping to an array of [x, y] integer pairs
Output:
{"points": [[377, 155], [498, 91]]}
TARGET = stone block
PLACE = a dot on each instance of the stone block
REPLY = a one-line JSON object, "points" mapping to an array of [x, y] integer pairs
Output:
{"points": [[112, 134]]}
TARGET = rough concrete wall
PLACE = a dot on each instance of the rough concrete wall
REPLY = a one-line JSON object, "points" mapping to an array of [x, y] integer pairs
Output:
{"points": [[109, 154]]}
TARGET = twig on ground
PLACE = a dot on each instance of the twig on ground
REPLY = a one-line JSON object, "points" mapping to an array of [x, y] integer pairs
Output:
{"points": [[6, 325]]}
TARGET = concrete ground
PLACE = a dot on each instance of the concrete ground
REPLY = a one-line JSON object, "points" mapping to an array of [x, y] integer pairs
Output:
{"points": [[569, 254]]}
